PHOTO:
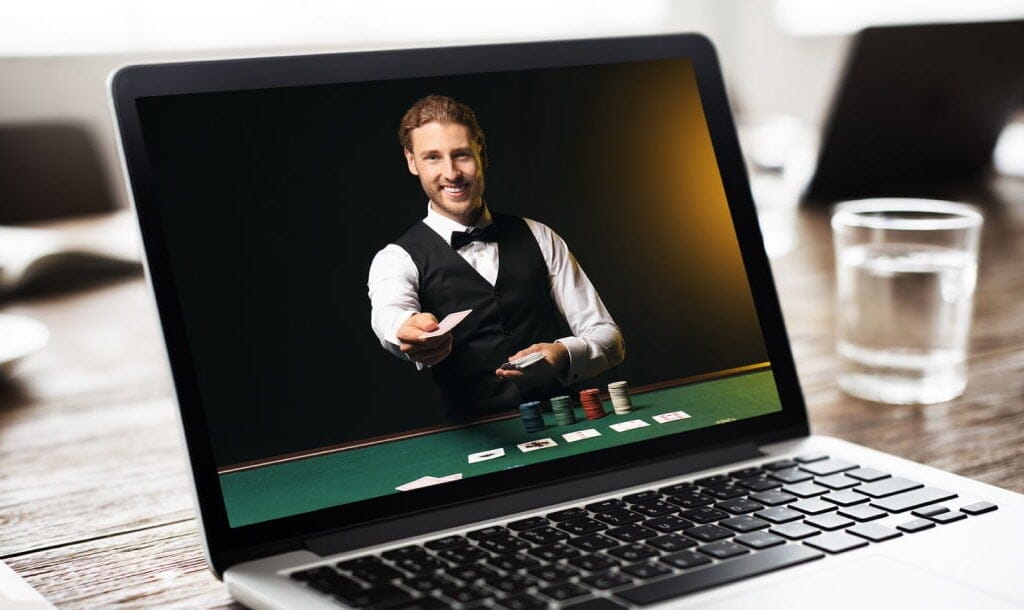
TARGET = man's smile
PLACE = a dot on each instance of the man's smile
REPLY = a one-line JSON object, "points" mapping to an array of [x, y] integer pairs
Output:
{"points": [[455, 189]]}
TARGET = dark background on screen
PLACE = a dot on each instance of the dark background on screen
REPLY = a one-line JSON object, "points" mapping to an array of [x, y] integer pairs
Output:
{"points": [[275, 201]]}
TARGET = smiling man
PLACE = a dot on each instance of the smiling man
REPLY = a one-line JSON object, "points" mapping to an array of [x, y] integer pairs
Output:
{"points": [[537, 299]]}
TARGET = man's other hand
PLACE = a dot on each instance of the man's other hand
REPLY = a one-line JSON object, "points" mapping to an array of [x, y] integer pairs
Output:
{"points": [[556, 361], [427, 352]]}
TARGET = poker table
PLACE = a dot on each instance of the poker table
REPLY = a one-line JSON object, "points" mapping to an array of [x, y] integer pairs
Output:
{"points": [[320, 480]]}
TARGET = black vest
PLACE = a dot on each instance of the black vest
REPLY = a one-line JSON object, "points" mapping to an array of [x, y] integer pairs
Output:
{"points": [[516, 312]]}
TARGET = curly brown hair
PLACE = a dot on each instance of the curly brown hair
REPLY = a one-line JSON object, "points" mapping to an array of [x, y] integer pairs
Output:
{"points": [[441, 109]]}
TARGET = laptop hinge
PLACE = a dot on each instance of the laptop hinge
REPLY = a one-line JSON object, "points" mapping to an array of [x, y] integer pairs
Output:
{"points": [[524, 500]]}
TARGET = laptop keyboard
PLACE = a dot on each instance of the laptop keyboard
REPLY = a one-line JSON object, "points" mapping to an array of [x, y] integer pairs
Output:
{"points": [[649, 547]]}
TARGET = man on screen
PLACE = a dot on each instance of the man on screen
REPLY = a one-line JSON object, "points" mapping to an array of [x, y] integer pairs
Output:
{"points": [[526, 291]]}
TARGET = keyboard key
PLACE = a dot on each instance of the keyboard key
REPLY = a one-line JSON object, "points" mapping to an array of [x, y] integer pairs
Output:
{"points": [[829, 521], [723, 549], [759, 540], [874, 532], [836, 542], [917, 525], [553, 574], [837, 481], [528, 523], [847, 497], [419, 565], [761, 483], [631, 533], [583, 525], [359, 562], [513, 562], [596, 603], [678, 488], [745, 523], [605, 505], [704, 514], [618, 516], [543, 535], [569, 513], [594, 563], [641, 496], [653, 508], [807, 489], [422, 603], [502, 544], [646, 571], [765, 561], [795, 531], [979, 508], [377, 596], [404, 552], [448, 542], [685, 559], [593, 542], [862, 512], [791, 475], [468, 594], [913, 499], [633, 552], [779, 465], [746, 473], [670, 543], [485, 532], [668, 523], [708, 533], [739, 506], [867, 474], [813, 506], [377, 574], [725, 491], [888, 487], [606, 580], [712, 480], [772, 498], [564, 591], [510, 583], [427, 582], [553, 552], [779, 514], [326, 580], [472, 573], [690, 499], [524, 601], [807, 458], [949, 517], [929, 511], [824, 468], [461, 555]]}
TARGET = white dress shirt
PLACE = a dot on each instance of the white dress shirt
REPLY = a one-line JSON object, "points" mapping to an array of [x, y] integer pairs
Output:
{"points": [[596, 343]]}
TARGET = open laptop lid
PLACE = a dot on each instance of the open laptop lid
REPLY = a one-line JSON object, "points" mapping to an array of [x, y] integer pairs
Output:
{"points": [[265, 188]]}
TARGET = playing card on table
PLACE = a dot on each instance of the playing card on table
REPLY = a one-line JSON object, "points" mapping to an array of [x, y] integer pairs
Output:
{"points": [[543, 443], [579, 435], [428, 481], [449, 322], [483, 456], [632, 424], [664, 418]]}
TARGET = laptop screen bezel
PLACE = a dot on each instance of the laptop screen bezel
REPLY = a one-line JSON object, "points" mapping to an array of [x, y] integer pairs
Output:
{"points": [[228, 545]]}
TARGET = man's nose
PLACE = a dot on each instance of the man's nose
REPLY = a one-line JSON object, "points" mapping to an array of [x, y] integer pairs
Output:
{"points": [[451, 172]]}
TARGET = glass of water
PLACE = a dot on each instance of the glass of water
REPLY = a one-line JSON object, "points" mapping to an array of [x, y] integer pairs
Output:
{"points": [[905, 276]]}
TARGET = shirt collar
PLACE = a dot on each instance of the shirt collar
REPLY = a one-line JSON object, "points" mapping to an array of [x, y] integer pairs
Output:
{"points": [[444, 226]]}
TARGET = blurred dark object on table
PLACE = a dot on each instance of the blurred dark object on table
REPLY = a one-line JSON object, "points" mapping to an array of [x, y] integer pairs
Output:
{"points": [[50, 170], [919, 107]]}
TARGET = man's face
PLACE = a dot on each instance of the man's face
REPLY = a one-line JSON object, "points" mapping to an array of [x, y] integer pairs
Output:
{"points": [[447, 161]]}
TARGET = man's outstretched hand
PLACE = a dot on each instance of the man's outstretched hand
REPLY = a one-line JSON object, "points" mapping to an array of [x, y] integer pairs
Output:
{"points": [[428, 351], [556, 361]]}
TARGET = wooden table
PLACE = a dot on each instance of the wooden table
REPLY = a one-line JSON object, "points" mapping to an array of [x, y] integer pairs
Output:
{"points": [[95, 506]]}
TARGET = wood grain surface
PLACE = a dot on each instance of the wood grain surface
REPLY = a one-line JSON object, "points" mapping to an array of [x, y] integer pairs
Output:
{"points": [[95, 504]]}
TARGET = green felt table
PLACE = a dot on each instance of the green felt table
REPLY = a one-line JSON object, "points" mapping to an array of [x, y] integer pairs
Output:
{"points": [[293, 487]]}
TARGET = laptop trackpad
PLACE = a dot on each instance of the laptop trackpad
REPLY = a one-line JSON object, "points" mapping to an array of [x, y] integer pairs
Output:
{"points": [[874, 582]]}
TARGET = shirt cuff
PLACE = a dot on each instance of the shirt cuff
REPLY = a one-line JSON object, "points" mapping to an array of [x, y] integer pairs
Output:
{"points": [[578, 353]]}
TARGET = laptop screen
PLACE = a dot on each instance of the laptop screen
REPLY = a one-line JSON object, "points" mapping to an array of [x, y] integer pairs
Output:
{"points": [[393, 286]]}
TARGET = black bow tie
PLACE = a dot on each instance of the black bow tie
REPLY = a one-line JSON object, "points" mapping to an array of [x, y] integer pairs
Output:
{"points": [[463, 238]]}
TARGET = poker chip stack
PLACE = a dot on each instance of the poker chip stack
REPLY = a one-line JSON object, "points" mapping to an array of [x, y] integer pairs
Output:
{"points": [[532, 418], [564, 413], [619, 392], [591, 401]]}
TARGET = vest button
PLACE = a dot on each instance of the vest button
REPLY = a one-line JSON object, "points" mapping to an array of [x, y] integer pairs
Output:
{"points": [[508, 333], [497, 292]]}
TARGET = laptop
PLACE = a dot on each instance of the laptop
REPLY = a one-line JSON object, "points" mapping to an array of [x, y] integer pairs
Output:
{"points": [[353, 314], [919, 108]]}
